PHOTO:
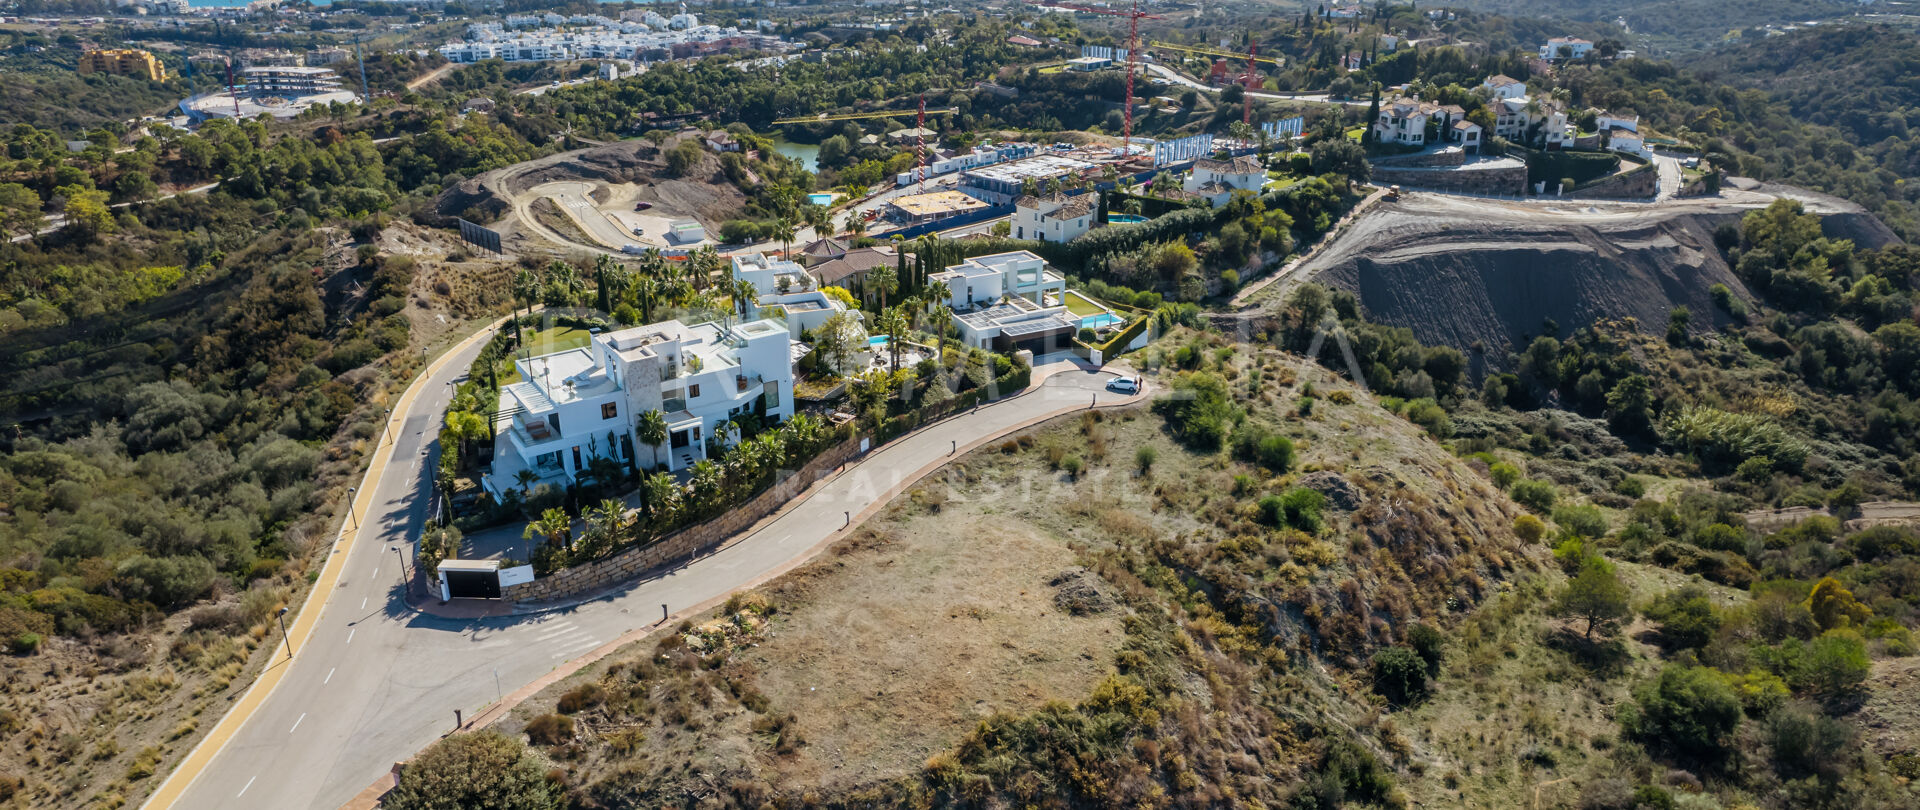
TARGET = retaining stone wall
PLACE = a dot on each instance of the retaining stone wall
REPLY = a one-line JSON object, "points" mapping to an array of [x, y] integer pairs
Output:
{"points": [[1642, 183], [1433, 157], [693, 540], [1508, 180]]}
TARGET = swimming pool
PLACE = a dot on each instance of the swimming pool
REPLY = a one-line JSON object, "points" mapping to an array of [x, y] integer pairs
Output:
{"points": [[877, 341], [1125, 219], [820, 199], [1102, 319]]}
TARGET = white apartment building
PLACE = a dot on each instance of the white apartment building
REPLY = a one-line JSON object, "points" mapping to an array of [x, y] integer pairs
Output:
{"points": [[573, 406], [771, 276], [987, 279], [603, 38], [1053, 217]]}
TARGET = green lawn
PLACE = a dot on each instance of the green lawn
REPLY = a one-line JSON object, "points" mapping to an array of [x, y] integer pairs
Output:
{"points": [[1355, 133], [546, 341], [1082, 307]]}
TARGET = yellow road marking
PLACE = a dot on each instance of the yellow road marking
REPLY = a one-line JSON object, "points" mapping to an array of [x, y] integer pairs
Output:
{"points": [[196, 761]]}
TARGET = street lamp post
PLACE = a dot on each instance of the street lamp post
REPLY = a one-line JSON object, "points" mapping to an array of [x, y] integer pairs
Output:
{"points": [[406, 582], [282, 615], [350, 515]]}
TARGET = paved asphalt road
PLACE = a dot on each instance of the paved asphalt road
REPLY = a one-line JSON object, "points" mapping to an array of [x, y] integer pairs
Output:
{"points": [[376, 682]]}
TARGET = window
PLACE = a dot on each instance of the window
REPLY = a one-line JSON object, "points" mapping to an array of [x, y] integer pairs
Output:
{"points": [[693, 391], [609, 411]]}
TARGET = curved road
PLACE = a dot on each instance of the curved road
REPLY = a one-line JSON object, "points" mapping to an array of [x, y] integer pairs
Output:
{"points": [[376, 681]]}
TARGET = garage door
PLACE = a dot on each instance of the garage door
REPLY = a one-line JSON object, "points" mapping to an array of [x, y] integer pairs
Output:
{"points": [[473, 584]]}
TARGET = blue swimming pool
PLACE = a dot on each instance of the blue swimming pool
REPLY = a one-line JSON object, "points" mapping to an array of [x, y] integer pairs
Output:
{"points": [[820, 199], [1102, 319], [1125, 219], [877, 341]]}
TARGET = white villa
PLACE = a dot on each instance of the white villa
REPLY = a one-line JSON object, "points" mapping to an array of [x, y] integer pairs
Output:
{"points": [[805, 311], [771, 276], [1503, 87], [1566, 47], [1016, 324], [987, 279], [1052, 217], [1216, 180], [573, 406], [1514, 121], [1405, 120]]}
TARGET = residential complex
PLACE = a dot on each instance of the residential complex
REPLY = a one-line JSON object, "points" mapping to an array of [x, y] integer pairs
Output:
{"points": [[678, 37], [1001, 183], [574, 406], [137, 64], [280, 92], [1566, 48]]}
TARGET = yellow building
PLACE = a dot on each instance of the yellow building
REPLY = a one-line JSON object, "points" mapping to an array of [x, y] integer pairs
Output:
{"points": [[124, 62]]}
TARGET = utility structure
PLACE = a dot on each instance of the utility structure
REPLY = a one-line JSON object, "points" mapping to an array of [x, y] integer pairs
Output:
{"points": [[1247, 81], [1133, 57], [366, 96]]}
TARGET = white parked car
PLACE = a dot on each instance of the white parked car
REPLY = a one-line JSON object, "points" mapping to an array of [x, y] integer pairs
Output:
{"points": [[1124, 385]]}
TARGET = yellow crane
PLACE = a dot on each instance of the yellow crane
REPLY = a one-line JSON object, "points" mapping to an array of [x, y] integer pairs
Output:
{"points": [[1217, 53], [815, 119]]}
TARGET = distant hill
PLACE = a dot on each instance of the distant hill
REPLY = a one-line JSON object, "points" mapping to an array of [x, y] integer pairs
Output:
{"points": [[1861, 79], [1679, 24]]}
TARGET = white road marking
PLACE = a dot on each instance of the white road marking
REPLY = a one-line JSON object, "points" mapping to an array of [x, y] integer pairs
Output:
{"points": [[376, 573], [243, 790], [296, 723], [350, 632], [329, 677], [363, 603]]}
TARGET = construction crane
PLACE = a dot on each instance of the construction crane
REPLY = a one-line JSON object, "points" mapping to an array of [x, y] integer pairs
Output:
{"points": [[1133, 56]]}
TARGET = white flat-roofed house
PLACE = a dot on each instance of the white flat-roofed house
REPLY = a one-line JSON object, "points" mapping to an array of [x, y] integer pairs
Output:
{"points": [[1608, 121], [771, 276], [574, 406], [1620, 139], [1017, 324], [805, 311], [987, 279], [1052, 217]]}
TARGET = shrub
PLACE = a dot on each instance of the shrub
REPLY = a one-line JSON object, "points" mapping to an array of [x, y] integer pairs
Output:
{"points": [[582, 698], [1198, 410], [1427, 643], [1581, 520], [1631, 486], [1686, 616], [1503, 474], [1536, 496], [1399, 675], [1301, 509], [1806, 742], [1144, 457], [483, 769], [1686, 711], [1595, 595], [550, 729], [1073, 466], [1529, 528]]}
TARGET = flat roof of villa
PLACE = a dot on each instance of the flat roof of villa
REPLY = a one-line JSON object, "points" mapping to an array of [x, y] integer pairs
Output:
{"points": [[937, 202], [1038, 167], [551, 371]]}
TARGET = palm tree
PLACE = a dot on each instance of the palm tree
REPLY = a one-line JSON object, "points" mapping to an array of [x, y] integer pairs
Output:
{"points": [[647, 289], [883, 279], [894, 323], [554, 525], [743, 293], [662, 495], [939, 294], [653, 431], [942, 321], [856, 226], [525, 478], [604, 525], [705, 262], [783, 228]]}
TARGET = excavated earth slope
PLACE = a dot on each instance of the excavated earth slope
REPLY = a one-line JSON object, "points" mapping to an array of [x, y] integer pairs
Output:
{"points": [[1461, 271]]}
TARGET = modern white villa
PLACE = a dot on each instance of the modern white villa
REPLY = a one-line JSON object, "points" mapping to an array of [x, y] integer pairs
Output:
{"points": [[771, 276], [573, 406], [987, 279]]}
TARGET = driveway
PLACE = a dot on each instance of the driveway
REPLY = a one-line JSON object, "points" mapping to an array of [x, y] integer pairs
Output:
{"points": [[375, 681]]}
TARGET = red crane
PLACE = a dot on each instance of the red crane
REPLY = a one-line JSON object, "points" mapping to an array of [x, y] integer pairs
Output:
{"points": [[1133, 55], [1246, 102]]}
